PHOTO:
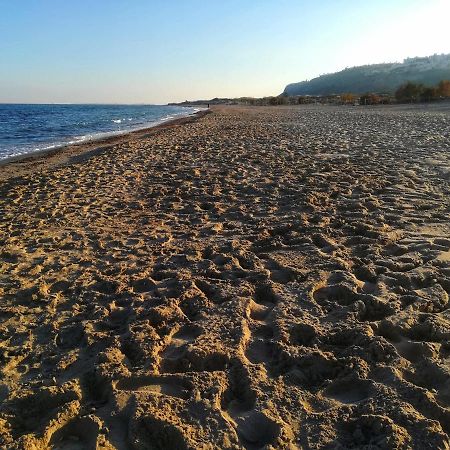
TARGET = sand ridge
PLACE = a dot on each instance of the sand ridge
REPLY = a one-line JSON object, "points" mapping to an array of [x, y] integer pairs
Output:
{"points": [[260, 278]]}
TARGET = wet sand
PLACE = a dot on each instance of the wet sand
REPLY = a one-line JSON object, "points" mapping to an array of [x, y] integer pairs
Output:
{"points": [[271, 278]]}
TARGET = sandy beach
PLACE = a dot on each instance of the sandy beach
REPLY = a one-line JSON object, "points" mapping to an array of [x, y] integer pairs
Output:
{"points": [[254, 278]]}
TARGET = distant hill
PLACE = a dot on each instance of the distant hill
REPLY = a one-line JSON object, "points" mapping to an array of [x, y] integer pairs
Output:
{"points": [[380, 78]]}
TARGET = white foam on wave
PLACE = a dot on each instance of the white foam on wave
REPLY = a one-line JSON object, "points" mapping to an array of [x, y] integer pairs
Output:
{"points": [[187, 111]]}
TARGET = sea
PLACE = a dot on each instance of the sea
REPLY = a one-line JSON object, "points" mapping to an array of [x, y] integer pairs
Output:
{"points": [[25, 129]]}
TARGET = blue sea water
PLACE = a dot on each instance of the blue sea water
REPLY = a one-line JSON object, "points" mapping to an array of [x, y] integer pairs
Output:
{"points": [[26, 129]]}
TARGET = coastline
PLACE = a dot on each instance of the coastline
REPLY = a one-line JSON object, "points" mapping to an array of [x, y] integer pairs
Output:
{"points": [[26, 163]]}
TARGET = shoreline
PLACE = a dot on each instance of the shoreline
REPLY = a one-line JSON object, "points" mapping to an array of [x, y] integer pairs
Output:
{"points": [[20, 164]]}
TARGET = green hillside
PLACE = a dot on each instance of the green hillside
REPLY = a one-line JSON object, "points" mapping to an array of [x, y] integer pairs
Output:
{"points": [[381, 78]]}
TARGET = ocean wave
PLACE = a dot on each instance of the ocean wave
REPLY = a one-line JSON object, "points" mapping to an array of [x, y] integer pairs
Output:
{"points": [[28, 129]]}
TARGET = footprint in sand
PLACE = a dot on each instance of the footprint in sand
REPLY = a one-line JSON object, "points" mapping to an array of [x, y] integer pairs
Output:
{"points": [[260, 346], [256, 430], [172, 357], [159, 385], [349, 391], [78, 434]]}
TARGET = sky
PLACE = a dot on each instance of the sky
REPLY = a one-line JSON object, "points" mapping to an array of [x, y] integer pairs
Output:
{"points": [[158, 51]]}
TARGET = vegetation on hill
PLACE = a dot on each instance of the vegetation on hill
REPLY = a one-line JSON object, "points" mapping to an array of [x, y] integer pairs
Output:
{"points": [[412, 92], [407, 92], [381, 78]]}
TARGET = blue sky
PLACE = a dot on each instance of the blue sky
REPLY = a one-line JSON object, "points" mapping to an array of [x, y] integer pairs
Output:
{"points": [[139, 51]]}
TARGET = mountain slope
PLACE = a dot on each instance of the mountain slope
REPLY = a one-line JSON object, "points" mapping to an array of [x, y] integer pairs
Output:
{"points": [[376, 77]]}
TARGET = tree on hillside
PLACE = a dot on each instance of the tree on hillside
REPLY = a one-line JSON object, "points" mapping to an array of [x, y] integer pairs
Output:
{"points": [[443, 89], [280, 100], [348, 98], [410, 92], [428, 94], [369, 99]]}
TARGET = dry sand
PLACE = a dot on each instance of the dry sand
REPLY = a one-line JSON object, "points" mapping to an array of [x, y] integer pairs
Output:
{"points": [[260, 278]]}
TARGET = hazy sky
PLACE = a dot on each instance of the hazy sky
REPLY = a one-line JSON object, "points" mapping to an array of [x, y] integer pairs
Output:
{"points": [[152, 51]]}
